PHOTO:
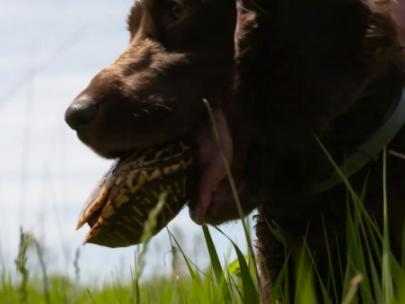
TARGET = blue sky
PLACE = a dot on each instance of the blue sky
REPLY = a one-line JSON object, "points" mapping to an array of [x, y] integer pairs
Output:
{"points": [[50, 49]]}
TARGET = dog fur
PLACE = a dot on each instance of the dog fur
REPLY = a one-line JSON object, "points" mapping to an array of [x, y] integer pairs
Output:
{"points": [[281, 71]]}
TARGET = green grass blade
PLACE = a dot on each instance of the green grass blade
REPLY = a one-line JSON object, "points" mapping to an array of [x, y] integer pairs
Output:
{"points": [[194, 275], [305, 287], [216, 265], [355, 197], [398, 277], [250, 294], [387, 283], [212, 251], [332, 275]]}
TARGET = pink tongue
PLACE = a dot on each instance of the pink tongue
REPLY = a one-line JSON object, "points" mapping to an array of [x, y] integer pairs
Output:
{"points": [[211, 162]]}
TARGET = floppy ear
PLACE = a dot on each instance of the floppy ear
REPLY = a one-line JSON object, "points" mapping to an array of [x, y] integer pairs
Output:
{"points": [[246, 24]]}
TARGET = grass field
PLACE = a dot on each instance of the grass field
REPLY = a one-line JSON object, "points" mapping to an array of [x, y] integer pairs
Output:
{"points": [[369, 274], [234, 282]]}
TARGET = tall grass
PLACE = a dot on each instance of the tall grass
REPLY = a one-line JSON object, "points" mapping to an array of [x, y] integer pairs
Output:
{"points": [[368, 273]]}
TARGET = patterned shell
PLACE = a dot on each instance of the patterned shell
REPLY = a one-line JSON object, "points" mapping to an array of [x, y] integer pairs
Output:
{"points": [[119, 207]]}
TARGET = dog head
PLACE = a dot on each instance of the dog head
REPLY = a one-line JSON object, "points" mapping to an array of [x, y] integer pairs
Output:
{"points": [[180, 53], [274, 73]]}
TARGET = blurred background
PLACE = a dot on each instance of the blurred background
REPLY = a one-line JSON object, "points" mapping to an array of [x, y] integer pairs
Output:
{"points": [[49, 51]]}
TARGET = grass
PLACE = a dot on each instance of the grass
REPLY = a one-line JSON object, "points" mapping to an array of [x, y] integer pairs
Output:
{"points": [[365, 277], [369, 274]]}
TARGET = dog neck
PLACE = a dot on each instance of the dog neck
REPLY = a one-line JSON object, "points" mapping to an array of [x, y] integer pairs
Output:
{"points": [[369, 150]]}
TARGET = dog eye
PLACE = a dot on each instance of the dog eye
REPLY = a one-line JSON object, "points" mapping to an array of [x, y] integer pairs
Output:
{"points": [[178, 10]]}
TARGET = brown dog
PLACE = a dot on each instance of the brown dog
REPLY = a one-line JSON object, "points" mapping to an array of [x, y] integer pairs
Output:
{"points": [[276, 73]]}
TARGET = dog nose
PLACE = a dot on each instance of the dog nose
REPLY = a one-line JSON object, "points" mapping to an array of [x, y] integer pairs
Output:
{"points": [[81, 112]]}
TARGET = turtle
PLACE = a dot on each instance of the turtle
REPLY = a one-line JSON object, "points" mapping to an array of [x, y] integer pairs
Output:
{"points": [[119, 207]]}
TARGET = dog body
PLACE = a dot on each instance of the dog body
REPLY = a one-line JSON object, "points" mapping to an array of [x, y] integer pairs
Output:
{"points": [[330, 68], [276, 73]]}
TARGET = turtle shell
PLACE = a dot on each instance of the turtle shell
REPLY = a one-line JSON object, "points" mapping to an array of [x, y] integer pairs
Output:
{"points": [[119, 207]]}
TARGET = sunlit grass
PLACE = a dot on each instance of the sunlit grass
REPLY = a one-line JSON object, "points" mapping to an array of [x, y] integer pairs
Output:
{"points": [[364, 278], [369, 273]]}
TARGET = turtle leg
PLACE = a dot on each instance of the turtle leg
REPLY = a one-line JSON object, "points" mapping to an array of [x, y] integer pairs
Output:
{"points": [[273, 253]]}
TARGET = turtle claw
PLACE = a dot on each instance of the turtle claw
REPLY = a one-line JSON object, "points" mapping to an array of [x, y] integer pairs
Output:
{"points": [[95, 204]]}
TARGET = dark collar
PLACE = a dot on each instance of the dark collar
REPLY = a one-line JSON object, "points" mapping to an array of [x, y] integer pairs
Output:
{"points": [[369, 150]]}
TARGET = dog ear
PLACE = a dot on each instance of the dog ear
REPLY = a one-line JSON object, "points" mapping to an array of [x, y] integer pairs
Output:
{"points": [[246, 24]]}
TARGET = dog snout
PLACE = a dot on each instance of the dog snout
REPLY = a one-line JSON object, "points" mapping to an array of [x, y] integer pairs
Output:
{"points": [[82, 112]]}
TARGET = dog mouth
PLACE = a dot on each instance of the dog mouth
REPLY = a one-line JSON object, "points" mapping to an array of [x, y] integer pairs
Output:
{"points": [[212, 199], [206, 189]]}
